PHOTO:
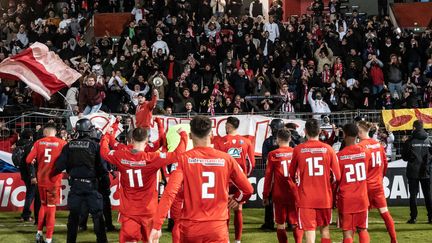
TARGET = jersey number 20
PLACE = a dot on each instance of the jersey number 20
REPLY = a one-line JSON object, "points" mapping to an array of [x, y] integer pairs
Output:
{"points": [[355, 173]]}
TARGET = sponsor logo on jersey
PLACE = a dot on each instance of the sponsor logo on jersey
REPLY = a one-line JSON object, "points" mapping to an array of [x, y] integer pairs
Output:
{"points": [[373, 146], [353, 156], [241, 142], [235, 152], [207, 162], [313, 150], [49, 144], [133, 163], [283, 155]]}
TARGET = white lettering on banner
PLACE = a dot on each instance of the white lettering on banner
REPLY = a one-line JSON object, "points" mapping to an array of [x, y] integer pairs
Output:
{"points": [[398, 188], [14, 196], [65, 192], [114, 202], [7, 191]]}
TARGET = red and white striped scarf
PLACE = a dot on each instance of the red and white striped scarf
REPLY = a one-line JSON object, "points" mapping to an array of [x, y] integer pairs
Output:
{"points": [[326, 76]]}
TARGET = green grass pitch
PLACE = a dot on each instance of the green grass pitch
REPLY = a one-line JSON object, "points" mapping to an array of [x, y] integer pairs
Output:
{"points": [[11, 230]]}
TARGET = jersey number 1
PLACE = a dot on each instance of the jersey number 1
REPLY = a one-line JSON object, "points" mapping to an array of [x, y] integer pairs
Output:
{"points": [[210, 184], [285, 164]]}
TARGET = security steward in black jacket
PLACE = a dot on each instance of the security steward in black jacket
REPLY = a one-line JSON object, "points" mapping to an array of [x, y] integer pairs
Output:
{"points": [[417, 151], [81, 159], [268, 146]]}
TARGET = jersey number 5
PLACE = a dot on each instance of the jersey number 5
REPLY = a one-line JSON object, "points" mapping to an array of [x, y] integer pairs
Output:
{"points": [[210, 184], [47, 155], [315, 168], [358, 171], [376, 159]]}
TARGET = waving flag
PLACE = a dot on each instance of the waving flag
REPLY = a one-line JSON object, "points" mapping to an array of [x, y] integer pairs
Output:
{"points": [[42, 70]]}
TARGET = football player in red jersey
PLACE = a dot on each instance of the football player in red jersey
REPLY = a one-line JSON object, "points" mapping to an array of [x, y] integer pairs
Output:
{"points": [[377, 170], [282, 189], [242, 150], [138, 182], [44, 154], [316, 164], [352, 196], [205, 174]]}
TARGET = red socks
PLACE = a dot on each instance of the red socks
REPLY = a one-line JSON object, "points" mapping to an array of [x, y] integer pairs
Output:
{"points": [[50, 220], [364, 236], [348, 240], [41, 218], [238, 224], [282, 236], [388, 220], [326, 240], [298, 234]]}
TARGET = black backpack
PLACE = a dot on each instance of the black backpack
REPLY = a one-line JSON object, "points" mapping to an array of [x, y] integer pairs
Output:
{"points": [[19, 154]]}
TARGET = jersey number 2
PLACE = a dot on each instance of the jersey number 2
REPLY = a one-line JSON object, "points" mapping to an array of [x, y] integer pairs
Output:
{"points": [[210, 184]]}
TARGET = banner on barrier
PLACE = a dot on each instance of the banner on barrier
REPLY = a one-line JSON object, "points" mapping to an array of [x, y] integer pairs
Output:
{"points": [[12, 189], [400, 120], [255, 127]]}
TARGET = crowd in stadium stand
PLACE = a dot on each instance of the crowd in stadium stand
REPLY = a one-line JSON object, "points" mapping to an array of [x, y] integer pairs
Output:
{"points": [[212, 57]]}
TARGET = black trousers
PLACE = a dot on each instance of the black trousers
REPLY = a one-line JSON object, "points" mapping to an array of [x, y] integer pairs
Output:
{"points": [[85, 194], [268, 215], [105, 191], [32, 193], [414, 190]]}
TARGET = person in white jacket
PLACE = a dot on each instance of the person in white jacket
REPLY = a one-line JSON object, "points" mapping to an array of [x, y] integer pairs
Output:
{"points": [[317, 104], [160, 44], [272, 28], [133, 94]]}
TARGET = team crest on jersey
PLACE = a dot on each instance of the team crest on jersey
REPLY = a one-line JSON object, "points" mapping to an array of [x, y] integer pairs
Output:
{"points": [[234, 141], [235, 152]]}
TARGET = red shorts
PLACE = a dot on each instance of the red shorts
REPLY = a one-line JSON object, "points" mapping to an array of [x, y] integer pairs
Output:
{"points": [[135, 228], [204, 232], [377, 197], [310, 218], [353, 221], [50, 195], [284, 213]]}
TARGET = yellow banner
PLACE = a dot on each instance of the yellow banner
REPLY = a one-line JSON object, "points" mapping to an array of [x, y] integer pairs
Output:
{"points": [[400, 120]]}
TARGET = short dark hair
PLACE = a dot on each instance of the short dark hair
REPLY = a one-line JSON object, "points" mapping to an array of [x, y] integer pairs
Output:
{"points": [[201, 126], [284, 134], [418, 125], [26, 134], [139, 134], [234, 121], [141, 94], [312, 127], [350, 130], [50, 125]]}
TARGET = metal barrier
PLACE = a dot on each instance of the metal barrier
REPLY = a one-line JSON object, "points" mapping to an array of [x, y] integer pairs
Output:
{"points": [[34, 119]]}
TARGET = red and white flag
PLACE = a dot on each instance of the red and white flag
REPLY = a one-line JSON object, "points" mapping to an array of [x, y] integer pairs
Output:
{"points": [[42, 70]]}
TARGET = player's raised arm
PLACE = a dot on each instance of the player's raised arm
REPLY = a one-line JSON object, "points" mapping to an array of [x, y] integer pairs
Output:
{"points": [[105, 152], [163, 159]]}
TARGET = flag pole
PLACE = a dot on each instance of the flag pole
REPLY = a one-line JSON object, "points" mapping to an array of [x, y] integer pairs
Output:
{"points": [[67, 102]]}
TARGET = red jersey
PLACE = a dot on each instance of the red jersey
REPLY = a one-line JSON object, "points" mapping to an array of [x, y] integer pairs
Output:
{"points": [[205, 174], [144, 114], [378, 165], [240, 148], [138, 176], [314, 162], [354, 162], [46, 151], [277, 180]]}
